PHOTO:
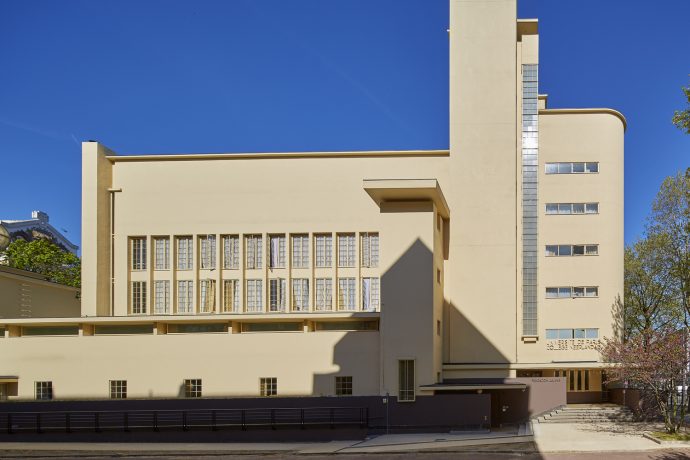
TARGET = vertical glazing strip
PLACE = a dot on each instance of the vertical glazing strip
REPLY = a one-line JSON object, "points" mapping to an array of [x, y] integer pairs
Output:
{"points": [[530, 166]]}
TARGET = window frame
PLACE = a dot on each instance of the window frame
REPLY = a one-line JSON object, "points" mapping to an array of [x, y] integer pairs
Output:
{"points": [[118, 389], [407, 394], [268, 386], [43, 390], [138, 262], [193, 388], [138, 298], [343, 385]]}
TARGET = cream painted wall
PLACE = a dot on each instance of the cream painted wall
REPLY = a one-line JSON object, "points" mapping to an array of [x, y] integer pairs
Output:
{"points": [[24, 296]]}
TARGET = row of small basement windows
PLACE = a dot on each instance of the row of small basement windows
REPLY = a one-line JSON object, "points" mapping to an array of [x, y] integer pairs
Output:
{"points": [[275, 250], [193, 328], [302, 297], [193, 388]]}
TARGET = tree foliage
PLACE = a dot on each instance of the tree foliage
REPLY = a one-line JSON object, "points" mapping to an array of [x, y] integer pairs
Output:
{"points": [[44, 257], [681, 118]]}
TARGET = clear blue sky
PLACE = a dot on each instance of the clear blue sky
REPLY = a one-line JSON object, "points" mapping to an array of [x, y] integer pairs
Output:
{"points": [[276, 75]]}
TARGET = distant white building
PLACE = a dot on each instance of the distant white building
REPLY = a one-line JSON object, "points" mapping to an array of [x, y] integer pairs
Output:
{"points": [[35, 228]]}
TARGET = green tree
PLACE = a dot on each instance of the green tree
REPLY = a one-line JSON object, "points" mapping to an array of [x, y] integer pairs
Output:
{"points": [[44, 257], [681, 118]]}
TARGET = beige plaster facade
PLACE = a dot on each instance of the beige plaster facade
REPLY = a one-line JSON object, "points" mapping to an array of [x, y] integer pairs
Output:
{"points": [[450, 239]]}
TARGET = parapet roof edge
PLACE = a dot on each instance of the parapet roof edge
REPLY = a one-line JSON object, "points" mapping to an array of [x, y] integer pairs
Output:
{"points": [[604, 110], [268, 155]]}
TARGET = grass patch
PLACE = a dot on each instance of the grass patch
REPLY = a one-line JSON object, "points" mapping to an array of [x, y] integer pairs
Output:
{"points": [[671, 437]]}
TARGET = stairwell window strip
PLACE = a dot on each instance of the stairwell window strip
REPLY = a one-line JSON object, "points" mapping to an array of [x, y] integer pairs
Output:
{"points": [[570, 292], [346, 250], [276, 248], [207, 296], [207, 247], [370, 294], [255, 296], [572, 168], [406, 380], [185, 297], [231, 296], [300, 251], [161, 297], [138, 253], [370, 249], [572, 208], [231, 252], [560, 250], [346, 294], [324, 294], [185, 254], [253, 251], [300, 294], [276, 295], [162, 248], [324, 250], [139, 297]]}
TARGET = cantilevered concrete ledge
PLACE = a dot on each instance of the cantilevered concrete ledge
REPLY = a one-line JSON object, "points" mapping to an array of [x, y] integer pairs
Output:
{"points": [[475, 384], [392, 190], [613, 112]]}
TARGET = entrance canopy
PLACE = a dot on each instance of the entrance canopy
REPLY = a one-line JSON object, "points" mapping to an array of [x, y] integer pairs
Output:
{"points": [[475, 384]]}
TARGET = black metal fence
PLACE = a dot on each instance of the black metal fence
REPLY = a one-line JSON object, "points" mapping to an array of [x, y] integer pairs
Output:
{"points": [[185, 420]]}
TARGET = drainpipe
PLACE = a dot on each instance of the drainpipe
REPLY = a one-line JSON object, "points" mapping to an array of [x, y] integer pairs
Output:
{"points": [[111, 255]]}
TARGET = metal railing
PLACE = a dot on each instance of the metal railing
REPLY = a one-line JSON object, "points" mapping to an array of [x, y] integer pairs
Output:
{"points": [[196, 419]]}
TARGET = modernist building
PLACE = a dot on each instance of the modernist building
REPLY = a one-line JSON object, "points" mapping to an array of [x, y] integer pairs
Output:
{"points": [[38, 227], [412, 273]]}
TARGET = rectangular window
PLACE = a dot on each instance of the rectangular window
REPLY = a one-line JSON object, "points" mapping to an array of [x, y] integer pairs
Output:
{"points": [[551, 292], [207, 249], [406, 380], [231, 296], [343, 386], [572, 250], [551, 250], [207, 296], [138, 305], [346, 250], [255, 296], [162, 248], [591, 291], [231, 252], [572, 208], [552, 208], [591, 208], [578, 250], [300, 251], [566, 292], [370, 294], [161, 297], [591, 333], [561, 334], [268, 386], [185, 254], [346, 294], [579, 333], [138, 248], [324, 294], [253, 251], [370, 249], [44, 391], [276, 256], [118, 389], [185, 297], [578, 208], [192, 388], [323, 250], [592, 249], [276, 294], [300, 294], [572, 168]]}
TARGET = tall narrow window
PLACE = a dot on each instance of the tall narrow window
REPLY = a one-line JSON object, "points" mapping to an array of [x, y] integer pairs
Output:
{"points": [[207, 296], [231, 296], [138, 247], [185, 254], [207, 248], [118, 389], [44, 391], [300, 294], [162, 248], [276, 257], [276, 294], [253, 251], [324, 294], [254, 296], [231, 252], [346, 250], [138, 297], [324, 250], [300, 251], [370, 249], [346, 294], [185, 297], [406, 380], [370, 294], [268, 386], [161, 297]]}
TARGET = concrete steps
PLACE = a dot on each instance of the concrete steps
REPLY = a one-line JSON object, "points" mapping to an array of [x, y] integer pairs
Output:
{"points": [[588, 413]]}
